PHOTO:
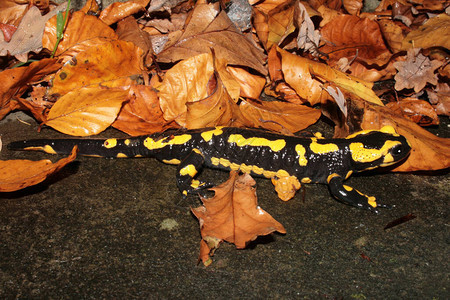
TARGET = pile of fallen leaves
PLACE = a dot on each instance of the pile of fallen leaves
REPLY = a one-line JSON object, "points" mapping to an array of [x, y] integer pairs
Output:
{"points": [[145, 67]]}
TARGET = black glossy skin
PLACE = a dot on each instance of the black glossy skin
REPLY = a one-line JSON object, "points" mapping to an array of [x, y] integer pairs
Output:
{"points": [[318, 169]]}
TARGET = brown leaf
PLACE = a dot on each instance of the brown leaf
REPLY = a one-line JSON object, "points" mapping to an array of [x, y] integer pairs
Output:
{"points": [[129, 30], [429, 152], [233, 214], [86, 111], [28, 36], [251, 85], [433, 33], [14, 82], [11, 11], [120, 10], [419, 111], [440, 98], [19, 174], [353, 6], [277, 116], [82, 31], [416, 71], [142, 114], [8, 31], [351, 36], [111, 63], [208, 29]]}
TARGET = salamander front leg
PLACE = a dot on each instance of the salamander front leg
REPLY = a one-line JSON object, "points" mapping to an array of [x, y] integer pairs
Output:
{"points": [[351, 196], [186, 172]]}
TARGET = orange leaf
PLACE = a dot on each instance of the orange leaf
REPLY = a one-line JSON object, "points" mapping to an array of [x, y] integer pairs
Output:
{"points": [[277, 116], [351, 36], [81, 31], [110, 64], [14, 82], [233, 213], [251, 85], [19, 174], [419, 111], [120, 10], [86, 111], [208, 29], [142, 114]]}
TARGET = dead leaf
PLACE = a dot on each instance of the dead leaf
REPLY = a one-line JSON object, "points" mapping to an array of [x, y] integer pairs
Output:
{"points": [[109, 64], [82, 31], [419, 111], [233, 214], [208, 29], [8, 31], [142, 114], [440, 98], [353, 6], [251, 85], [86, 111], [28, 36], [416, 71], [19, 174], [14, 82], [351, 36], [12, 11], [433, 33], [120, 10]]}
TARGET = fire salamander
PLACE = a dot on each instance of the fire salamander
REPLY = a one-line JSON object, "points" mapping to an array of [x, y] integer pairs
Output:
{"points": [[287, 160]]}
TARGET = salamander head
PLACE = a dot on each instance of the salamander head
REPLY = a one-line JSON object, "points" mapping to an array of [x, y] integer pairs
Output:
{"points": [[377, 148]]}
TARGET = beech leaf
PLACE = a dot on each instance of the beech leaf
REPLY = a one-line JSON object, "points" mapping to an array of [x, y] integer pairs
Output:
{"points": [[86, 111], [233, 214], [19, 174], [434, 33]]}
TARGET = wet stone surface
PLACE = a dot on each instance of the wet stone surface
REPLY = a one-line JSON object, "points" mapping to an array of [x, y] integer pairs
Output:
{"points": [[118, 229]]}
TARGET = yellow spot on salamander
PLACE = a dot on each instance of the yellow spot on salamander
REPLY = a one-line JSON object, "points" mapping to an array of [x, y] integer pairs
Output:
{"points": [[110, 143], [302, 161], [47, 149], [215, 161], [195, 184], [127, 142], [188, 170], [306, 180], [151, 144], [331, 176], [322, 148], [121, 155], [348, 188], [207, 135], [257, 170], [241, 141], [197, 151], [363, 155], [173, 161], [372, 201], [385, 129], [349, 173]]}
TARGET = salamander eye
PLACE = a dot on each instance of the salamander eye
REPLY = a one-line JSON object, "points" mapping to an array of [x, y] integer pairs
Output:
{"points": [[397, 151]]}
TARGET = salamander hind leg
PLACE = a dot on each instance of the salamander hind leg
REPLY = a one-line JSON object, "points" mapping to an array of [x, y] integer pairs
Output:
{"points": [[186, 172], [351, 196]]}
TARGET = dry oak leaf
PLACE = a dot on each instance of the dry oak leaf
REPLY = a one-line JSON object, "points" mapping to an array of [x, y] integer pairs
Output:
{"points": [[120, 10], [233, 214], [14, 82], [440, 99], [142, 114], [12, 11], [351, 36], [19, 174], [428, 153], [82, 31], [297, 73], [109, 64], [416, 71], [28, 36], [207, 28], [86, 111], [434, 33]]}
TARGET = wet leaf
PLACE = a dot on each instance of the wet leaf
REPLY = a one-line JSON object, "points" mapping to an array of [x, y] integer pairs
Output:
{"points": [[207, 28], [19, 174], [233, 214], [120, 10], [86, 111]]}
